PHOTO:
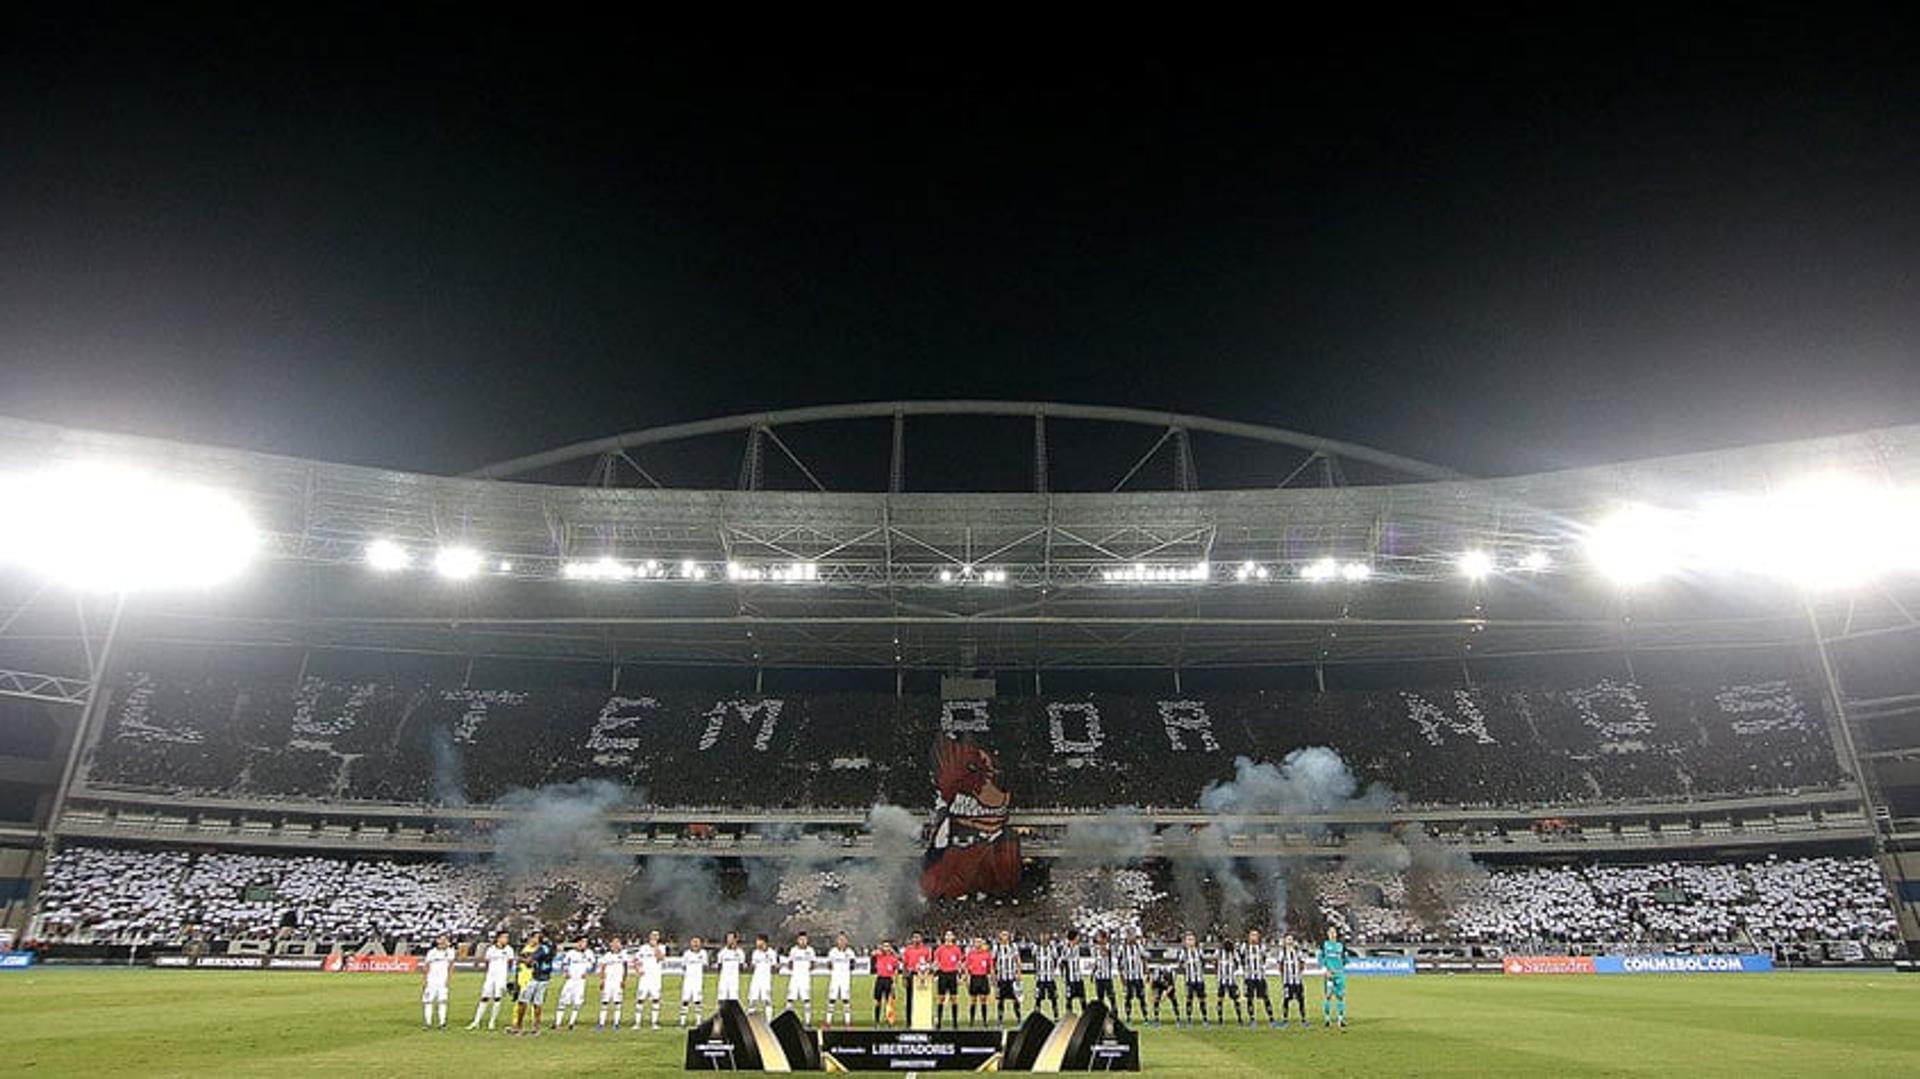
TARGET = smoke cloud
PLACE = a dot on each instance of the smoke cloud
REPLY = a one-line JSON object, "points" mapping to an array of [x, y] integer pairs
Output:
{"points": [[1210, 876], [1314, 779], [1093, 872], [814, 883], [444, 785], [557, 826], [1112, 840], [866, 884], [1438, 876]]}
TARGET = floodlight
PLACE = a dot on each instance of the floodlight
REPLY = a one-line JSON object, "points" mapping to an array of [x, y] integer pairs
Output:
{"points": [[102, 527], [1818, 532], [1475, 565], [946, 576], [456, 563], [1638, 544], [1356, 571], [388, 556], [1320, 569], [505, 566], [604, 568]]}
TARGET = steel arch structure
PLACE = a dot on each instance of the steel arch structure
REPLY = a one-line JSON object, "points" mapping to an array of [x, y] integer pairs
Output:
{"points": [[763, 425]]}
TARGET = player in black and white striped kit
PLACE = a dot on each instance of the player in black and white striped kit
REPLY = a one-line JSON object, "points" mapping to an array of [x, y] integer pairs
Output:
{"points": [[1253, 964], [1103, 969], [1006, 977], [1161, 983], [1293, 980], [1130, 956], [1046, 975], [1072, 973], [1192, 961], [1226, 972]]}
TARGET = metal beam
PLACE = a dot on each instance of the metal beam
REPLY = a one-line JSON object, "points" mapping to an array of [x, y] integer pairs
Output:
{"points": [[747, 421], [897, 463], [52, 688], [90, 713]]}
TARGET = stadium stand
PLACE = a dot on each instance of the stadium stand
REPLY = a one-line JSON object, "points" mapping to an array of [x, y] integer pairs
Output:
{"points": [[1483, 747], [104, 894], [1763, 903]]}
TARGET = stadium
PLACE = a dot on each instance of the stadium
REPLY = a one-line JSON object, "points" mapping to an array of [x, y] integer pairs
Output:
{"points": [[289, 721]]}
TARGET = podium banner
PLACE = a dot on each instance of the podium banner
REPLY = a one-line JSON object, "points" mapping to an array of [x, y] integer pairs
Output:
{"points": [[910, 1050], [734, 1039]]}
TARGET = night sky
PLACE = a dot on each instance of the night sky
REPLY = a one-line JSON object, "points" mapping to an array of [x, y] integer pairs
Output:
{"points": [[1491, 241]]}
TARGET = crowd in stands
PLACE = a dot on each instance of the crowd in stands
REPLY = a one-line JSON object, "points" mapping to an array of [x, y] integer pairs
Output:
{"points": [[1762, 903], [103, 894], [1489, 746], [117, 894]]}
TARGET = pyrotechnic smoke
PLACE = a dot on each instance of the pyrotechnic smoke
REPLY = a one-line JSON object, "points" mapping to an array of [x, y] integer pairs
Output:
{"points": [[560, 825], [1093, 852], [1438, 877], [865, 897], [1113, 840], [1312, 780], [813, 883], [445, 785]]}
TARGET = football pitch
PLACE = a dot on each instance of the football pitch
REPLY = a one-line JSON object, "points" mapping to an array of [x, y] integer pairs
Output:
{"points": [[152, 1022]]}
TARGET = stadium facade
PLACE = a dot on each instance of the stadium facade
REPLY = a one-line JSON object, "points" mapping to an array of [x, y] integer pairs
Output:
{"points": [[1340, 572]]}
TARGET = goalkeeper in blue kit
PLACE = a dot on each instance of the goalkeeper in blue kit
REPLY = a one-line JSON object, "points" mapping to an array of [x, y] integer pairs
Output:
{"points": [[1333, 992]]}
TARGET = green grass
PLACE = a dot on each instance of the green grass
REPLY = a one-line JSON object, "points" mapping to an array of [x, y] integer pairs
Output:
{"points": [[151, 1022]]}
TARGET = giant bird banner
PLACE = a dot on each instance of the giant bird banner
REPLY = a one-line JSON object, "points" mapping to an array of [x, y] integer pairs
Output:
{"points": [[971, 848]]}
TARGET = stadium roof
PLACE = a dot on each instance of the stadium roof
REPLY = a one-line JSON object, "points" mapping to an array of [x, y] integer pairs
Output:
{"points": [[949, 581]]}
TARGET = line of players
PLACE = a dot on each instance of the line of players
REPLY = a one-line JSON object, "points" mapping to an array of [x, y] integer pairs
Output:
{"points": [[523, 977], [1123, 976], [1179, 981]]}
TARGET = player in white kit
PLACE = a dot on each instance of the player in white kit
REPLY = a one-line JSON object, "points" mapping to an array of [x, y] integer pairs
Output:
{"points": [[693, 979], [575, 965], [729, 959], [652, 958], [760, 987], [613, 982], [496, 983], [438, 963], [800, 976], [840, 980]]}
